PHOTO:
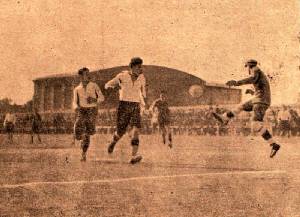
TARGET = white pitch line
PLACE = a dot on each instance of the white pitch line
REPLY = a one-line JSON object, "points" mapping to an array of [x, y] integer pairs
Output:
{"points": [[28, 184]]}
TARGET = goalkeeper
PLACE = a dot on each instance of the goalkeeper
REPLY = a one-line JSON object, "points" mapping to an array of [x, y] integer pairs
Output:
{"points": [[258, 104]]}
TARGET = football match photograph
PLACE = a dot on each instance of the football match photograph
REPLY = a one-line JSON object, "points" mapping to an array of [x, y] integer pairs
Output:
{"points": [[147, 108]]}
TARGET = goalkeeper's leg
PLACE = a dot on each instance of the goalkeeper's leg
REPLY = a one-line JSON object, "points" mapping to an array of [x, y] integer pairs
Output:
{"points": [[227, 116], [258, 127]]}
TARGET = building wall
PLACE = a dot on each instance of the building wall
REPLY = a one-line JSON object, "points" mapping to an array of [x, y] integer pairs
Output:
{"points": [[56, 93]]}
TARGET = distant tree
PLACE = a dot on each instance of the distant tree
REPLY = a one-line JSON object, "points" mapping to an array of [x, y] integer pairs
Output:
{"points": [[28, 106], [5, 104]]}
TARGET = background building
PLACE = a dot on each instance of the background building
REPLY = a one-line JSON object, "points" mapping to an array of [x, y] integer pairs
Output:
{"points": [[55, 93]]}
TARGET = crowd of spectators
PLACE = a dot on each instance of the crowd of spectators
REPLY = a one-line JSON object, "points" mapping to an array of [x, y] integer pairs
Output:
{"points": [[283, 121]]}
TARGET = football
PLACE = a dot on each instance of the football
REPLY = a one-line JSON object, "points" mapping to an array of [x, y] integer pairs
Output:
{"points": [[196, 91]]}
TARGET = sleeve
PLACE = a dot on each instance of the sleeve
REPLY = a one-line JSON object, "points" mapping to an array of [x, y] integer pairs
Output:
{"points": [[5, 120], [14, 119], [250, 80], [113, 82], [39, 117], [99, 95], [153, 105], [143, 87], [75, 99]]}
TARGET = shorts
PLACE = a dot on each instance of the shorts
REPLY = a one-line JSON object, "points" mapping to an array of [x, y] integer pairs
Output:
{"points": [[129, 113], [154, 124], [163, 121], [284, 125], [85, 122], [35, 128], [9, 127], [259, 110]]}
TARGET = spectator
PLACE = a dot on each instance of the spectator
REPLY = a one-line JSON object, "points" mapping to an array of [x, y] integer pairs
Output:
{"points": [[9, 125], [284, 118]]}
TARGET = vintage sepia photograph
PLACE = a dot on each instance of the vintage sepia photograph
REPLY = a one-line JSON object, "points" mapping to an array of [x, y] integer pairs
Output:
{"points": [[147, 108]]}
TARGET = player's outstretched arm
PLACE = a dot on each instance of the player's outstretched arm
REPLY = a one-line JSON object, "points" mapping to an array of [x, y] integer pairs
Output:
{"points": [[231, 83], [75, 100], [151, 109], [249, 91], [100, 96], [250, 80], [143, 93], [5, 120], [113, 83]]}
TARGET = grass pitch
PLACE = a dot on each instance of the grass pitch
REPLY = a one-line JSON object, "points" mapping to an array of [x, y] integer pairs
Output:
{"points": [[200, 176]]}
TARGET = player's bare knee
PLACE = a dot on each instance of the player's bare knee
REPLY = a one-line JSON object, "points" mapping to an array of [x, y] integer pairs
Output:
{"points": [[135, 133], [257, 126], [85, 143]]}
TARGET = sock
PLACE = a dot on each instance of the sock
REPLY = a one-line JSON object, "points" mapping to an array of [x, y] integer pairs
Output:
{"points": [[266, 135], [85, 143], [116, 138], [230, 115], [170, 137], [135, 146]]}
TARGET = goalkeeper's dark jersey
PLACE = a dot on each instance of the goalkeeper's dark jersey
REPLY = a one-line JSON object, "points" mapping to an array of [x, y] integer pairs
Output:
{"points": [[262, 93]]}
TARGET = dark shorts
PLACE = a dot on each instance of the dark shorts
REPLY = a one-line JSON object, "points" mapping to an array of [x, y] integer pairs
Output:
{"points": [[35, 128], [85, 122], [9, 127], [163, 121], [259, 110], [284, 125], [128, 114]]}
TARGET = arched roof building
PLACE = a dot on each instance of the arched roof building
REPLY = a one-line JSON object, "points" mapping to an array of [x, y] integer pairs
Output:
{"points": [[55, 93]]}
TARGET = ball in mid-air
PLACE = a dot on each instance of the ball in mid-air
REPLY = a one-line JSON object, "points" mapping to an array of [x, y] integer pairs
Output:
{"points": [[196, 91]]}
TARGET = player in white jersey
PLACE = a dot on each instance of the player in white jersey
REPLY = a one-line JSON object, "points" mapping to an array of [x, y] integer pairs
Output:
{"points": [[132, 94], [87, 96], [9, 125], [154, 119]]}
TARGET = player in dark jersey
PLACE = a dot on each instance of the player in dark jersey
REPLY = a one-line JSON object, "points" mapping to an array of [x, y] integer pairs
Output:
{"points": [[163, 117], [36, 122], [259, 104]]}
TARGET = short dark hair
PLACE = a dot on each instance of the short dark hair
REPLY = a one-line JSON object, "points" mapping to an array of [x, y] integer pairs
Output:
{"points": [[251, 63], [135, 61], [82, 70]]}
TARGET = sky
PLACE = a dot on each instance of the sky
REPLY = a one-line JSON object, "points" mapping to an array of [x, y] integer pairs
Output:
{"points": [[208, 38]]}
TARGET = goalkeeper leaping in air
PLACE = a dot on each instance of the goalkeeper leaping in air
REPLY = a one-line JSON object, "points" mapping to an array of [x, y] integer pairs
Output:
{"points": [[259, 104]]}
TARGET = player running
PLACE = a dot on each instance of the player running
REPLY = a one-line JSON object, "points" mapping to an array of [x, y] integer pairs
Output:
{"points": [[87, 96], [259, 104], [161, 105], [132, 93], [36, 121]]}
